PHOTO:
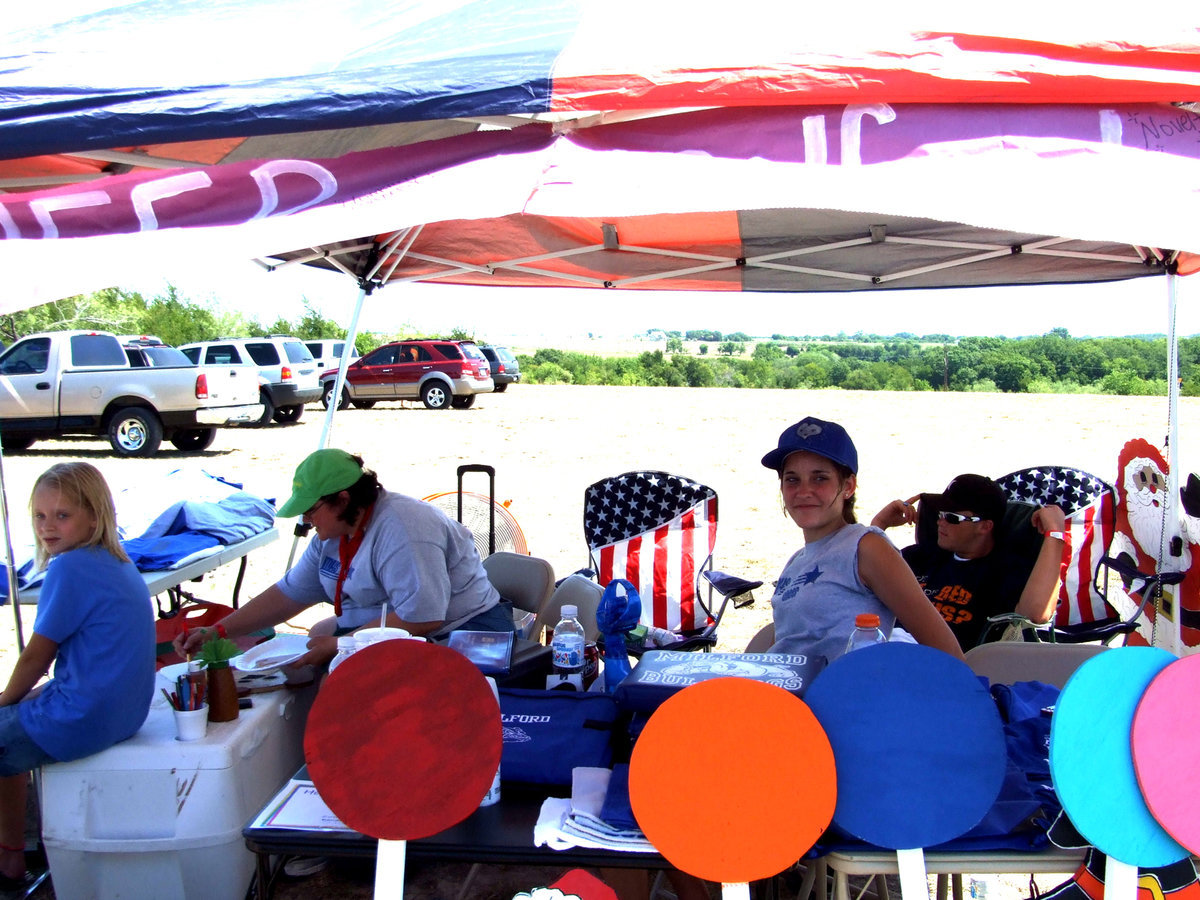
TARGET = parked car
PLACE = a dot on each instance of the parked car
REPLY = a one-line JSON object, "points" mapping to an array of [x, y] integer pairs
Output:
{"points": [[284, 362], [328, 353], [505, 368], [83, 382], [442, 374]]}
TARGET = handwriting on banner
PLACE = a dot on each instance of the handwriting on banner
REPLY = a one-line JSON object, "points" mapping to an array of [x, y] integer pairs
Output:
{"points": [[148, 203]]}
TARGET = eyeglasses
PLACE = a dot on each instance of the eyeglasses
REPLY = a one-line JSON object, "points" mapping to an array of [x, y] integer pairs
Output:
{"points": [[312, 509], [952, 518]]}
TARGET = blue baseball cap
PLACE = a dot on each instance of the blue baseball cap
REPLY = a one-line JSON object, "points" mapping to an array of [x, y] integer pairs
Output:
{"points": [[828, 439]]}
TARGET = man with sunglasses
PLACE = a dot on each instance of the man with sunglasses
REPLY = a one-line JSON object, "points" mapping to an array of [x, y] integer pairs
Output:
{"points": [[970, 573]]}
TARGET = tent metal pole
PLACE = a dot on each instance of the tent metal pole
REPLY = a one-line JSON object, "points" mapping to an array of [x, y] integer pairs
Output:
{"points": [[14, 592], [1167, 627], [339, 382]]}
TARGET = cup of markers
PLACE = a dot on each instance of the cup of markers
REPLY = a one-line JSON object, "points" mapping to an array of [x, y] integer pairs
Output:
{"points": [[189, 708]]}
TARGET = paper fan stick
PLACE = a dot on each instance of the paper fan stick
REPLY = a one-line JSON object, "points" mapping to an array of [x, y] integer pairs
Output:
{"points": [[757, 812], [1091, 763], [402, 742], [919, 748], [1166, 750]]}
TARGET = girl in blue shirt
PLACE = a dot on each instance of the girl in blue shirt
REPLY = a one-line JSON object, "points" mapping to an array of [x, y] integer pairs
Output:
{"points": [[95, 625]]}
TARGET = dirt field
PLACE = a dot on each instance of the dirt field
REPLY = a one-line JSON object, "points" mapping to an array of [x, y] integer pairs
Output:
{"points": [[547, 443]]}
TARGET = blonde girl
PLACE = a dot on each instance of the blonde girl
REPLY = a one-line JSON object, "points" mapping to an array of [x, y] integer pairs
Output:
{"points": [[95, 626]]}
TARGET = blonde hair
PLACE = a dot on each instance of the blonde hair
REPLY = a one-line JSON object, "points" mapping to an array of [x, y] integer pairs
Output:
{"points": [[82, 484]]}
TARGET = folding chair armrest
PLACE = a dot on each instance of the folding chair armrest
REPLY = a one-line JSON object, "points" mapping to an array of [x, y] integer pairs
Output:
{"points": [[732, 587]]}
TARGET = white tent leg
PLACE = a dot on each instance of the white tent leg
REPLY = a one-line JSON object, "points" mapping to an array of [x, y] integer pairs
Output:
{"points": [[1166, 631], [338, 384], [14, 593]]}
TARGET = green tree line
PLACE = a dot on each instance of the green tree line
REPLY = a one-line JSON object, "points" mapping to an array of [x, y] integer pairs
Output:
{"points": [[1050, 363], [171, 317]]}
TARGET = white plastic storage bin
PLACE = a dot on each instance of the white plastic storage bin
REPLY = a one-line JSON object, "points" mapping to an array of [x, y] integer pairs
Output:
{"points": [[157, 818]]}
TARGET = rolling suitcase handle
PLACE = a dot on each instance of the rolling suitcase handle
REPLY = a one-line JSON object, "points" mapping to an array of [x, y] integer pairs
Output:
{"points": [[491, 474]]}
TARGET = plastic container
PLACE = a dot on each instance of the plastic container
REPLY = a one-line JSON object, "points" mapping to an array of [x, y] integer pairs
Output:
{"points": [[346, 645], [566, 647], [366, 636], [492, 797], [158, 818], [866, 632]]}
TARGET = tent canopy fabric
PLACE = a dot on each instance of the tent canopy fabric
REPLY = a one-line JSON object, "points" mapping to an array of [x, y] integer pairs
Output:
{"points": [[514, 142], [131, 85]]}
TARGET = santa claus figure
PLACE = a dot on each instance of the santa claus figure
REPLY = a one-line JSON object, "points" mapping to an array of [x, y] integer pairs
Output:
{"points": [[1144, 535]]}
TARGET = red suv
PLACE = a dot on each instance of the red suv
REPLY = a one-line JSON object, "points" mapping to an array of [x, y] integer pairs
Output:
{"points": [[441, 373]]}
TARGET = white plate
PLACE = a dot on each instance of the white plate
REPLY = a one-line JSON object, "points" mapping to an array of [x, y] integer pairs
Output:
{"points": [[270, 655]]}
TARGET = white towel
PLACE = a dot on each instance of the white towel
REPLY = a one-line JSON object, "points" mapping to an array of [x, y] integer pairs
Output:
{"points": [[576, 822]]}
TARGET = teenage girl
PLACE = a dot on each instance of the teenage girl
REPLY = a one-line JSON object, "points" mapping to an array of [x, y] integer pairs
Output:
{"points": [[844, 568], [96, 626]]}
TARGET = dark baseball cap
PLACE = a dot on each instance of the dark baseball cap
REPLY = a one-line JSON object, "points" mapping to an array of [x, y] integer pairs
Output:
{"points": [[978, 493], [828, 439]]}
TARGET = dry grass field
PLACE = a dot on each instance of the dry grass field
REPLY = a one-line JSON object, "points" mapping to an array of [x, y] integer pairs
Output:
{"points": [[547, 443]]}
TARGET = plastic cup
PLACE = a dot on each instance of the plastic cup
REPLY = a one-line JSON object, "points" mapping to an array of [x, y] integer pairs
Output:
{"points": [[366, 636], [191, 724]]}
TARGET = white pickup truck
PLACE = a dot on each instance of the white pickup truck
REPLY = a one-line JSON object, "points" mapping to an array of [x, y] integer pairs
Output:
{"points": [[81, 382]]}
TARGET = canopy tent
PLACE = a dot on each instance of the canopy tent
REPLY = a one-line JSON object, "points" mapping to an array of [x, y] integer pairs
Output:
{"points": [[505, 143]]}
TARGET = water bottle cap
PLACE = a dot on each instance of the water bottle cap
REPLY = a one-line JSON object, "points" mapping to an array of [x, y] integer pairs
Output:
{"points": [[570, 609], [345, 642], [866, 620]]}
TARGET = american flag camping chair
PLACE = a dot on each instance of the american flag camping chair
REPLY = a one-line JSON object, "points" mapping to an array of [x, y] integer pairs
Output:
{"points": [[1089, 503], [657, 531]]}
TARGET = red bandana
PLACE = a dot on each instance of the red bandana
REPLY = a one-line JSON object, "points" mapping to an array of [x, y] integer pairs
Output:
{"points": [[346, 550]]}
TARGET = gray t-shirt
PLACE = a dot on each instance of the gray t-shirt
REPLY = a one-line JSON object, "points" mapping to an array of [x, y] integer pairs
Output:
{"points": [[414, 556], [819, 593]]}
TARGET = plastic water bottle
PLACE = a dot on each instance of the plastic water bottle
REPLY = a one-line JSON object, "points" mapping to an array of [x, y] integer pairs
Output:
{"points": [[345, 647], [866, 632], [566, 647], [493, 795]]}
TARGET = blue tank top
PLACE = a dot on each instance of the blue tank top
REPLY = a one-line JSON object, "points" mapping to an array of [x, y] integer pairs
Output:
{"points": [[819, 593]]}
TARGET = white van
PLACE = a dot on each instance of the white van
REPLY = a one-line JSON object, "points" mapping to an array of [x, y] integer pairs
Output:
{"points": [[328, 354]]}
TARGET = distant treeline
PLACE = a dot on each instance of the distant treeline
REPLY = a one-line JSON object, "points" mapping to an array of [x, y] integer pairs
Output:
{"points": [[1052, 363]]}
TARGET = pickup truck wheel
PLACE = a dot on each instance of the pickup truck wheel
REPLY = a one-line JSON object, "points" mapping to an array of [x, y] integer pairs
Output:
{"points": [[327, 397], [268, 409], [285, 415], [135, 431], [466, 401], [16, 441], [194, 439], [435, 396], [362, 404]]}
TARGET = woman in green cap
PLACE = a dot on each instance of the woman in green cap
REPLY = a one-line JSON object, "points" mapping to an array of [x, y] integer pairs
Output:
{"points": [[371, 547]]}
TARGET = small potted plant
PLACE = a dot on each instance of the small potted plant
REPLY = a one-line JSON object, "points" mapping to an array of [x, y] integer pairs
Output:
{"points": [[222, 688]]}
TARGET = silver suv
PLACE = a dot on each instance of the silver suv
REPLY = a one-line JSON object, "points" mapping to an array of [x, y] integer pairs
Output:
{"points": [[287, 369]]}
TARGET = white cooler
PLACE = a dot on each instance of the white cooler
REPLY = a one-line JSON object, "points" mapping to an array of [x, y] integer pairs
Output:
{"points": [[157, 818]]}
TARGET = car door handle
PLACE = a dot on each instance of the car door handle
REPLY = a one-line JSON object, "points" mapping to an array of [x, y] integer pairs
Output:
{"points": [[386, 371], [42, 386], [426, 368]]}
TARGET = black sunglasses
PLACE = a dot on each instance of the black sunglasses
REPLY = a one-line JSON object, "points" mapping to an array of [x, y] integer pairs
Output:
{"points": [[955, 518]]}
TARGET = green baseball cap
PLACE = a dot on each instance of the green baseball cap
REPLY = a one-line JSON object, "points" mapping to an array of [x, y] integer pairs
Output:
{"points": [[322, 472]]}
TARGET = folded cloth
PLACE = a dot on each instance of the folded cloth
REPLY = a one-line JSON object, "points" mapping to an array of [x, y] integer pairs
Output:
{"points": [[617, 811], [576, 822]]}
